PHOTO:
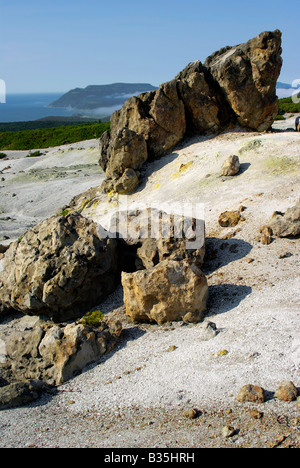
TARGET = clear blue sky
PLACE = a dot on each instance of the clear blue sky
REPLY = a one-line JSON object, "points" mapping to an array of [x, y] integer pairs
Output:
{"points": [[56, 45]]}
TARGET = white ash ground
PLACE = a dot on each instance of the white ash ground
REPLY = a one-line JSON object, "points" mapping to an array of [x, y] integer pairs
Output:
{"points": [[135, 396]]}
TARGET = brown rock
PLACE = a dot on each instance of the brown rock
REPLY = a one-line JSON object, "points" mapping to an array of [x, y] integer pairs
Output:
{"points": [[286, 391], [247, 75], [190, 413], [204, 107], [236, 84], [172, 290], [60, 268], [252, 394], [127, 183], [231, 166], [129, 150], [229, 218], [266, 235]]}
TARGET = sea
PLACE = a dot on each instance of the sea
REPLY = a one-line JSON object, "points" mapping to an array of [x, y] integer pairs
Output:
{"points": [[25, 107]]}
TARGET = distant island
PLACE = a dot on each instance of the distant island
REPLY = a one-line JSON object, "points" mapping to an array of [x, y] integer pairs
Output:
{"points": [[101, 96]]}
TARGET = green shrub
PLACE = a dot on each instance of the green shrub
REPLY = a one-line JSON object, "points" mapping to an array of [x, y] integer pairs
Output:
{"points": [[92, 319], [34, 155], [3, 156], [286, 105]]}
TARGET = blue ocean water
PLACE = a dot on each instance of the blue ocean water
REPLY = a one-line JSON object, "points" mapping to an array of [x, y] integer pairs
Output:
{"points": [[24, 107]]}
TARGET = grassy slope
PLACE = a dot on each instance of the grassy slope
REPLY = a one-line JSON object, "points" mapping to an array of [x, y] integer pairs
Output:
{"points": [[45, 138]]}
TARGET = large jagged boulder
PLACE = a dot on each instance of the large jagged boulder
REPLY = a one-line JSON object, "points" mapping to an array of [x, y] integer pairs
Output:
{"points": [[36, 349], [60, 268], [235, 84], [205, 106], [247, 75], [170, 291]]}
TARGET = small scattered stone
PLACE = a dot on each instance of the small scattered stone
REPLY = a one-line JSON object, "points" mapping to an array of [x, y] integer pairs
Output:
{"points": [[249, 260], [266, 235], [171, 349], [231, 166], [256, 414], [209, 331], [286, 391], [229, 218], [223, 352], [190, 413], [227, 432], [251, 393], [285, 255]]}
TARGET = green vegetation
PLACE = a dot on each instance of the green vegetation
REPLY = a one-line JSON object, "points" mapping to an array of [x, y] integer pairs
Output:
{"points": [[3, 156], [47, 122], [93, 319], [286, 105], [34, 155], [45, 138], [64, 213]]}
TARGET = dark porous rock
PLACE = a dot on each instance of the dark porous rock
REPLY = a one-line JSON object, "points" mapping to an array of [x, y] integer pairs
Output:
{"points": [[129, 151], [104, 147]]}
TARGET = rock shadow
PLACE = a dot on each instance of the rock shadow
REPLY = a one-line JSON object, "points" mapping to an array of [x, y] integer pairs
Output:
{"points": [[243, 168], [221, 252], [152, 166], [225, 297]]}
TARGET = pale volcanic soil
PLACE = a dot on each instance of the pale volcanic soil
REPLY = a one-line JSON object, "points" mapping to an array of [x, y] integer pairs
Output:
{"points": [[137, 394]]}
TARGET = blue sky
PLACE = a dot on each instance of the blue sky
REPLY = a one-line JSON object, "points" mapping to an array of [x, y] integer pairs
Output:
{"points": [[53, 46]]}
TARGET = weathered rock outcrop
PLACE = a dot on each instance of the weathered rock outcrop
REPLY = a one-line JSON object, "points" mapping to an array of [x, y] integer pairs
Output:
{"points": [[286, 224], [247, 75], [21, 393], [172, 290], [150, 236], [236, 84], [41, 350], [60, 268]]}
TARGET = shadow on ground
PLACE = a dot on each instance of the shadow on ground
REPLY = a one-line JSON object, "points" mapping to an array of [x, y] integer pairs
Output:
{"points": [[225, 297], [220, 252]]}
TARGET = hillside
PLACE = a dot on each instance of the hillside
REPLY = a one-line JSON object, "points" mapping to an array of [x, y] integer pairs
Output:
{"points": [[93, 97], [139, 391]]}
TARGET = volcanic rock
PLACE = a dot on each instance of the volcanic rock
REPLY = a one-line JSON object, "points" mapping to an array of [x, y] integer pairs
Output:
{"points": [[247, 75], [236, 84], [60, 268], [172, 290], [286, 224]]}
